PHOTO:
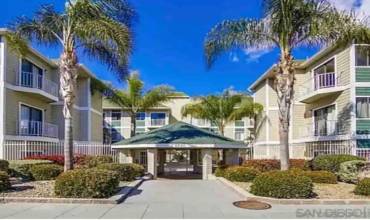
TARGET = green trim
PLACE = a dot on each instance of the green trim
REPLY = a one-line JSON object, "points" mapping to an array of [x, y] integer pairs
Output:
{"points": [[363, 126], [362, 74], [363, 143], [363, 91]]}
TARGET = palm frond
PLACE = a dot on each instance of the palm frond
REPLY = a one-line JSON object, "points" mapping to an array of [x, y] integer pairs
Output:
{"points": [[156, 96], [243, 33]]}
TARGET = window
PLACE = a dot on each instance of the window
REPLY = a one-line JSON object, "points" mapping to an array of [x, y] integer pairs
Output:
{"points": [[116, 115], [362, 55], [239, 134], [31, 75], [363, 107], [30, 121], [140, 116], [158, 118], [328, 67], [325, 123], [158, 115], [324, 75]]}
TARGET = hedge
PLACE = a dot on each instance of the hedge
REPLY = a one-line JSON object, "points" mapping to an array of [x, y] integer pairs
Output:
{"points": [[94, 161], [282, 184], [265, 165], [4, 166], [241, 174], [45, 171], [321, 176], [4, 181], [332, 162], [220, 170], [86, 183], [363, 187], [126, 172], [57, 159], [349, 170], [21, 168]]}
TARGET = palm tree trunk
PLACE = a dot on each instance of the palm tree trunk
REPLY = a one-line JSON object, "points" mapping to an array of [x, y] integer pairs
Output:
{"points": [[133, 125], [68, 81], [284, 89]]}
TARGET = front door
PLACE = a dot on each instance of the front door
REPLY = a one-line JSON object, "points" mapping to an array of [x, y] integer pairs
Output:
{"points": [[31, 121]]}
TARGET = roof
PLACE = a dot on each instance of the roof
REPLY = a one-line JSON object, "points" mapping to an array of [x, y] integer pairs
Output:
{"points": [[179, 135]]}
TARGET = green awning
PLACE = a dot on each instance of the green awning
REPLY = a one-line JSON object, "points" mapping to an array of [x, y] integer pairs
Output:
{"points": [[179, 135]]}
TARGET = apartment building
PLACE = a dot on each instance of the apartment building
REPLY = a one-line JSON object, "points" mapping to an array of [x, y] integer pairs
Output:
{"points": [[331, 103], [31, 104], [117, 123]]}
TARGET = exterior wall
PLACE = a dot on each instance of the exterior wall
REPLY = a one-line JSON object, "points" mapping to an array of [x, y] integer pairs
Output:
{"points": [[96, 127]]}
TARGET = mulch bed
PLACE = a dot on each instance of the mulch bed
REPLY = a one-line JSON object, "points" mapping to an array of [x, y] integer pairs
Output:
{"points": [[324, 191], [38, 189]]}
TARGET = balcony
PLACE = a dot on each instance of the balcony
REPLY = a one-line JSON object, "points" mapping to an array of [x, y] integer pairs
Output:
{"points": [[321, 85], [37, 128], [157, 122], [321, 129], [37, 84]]}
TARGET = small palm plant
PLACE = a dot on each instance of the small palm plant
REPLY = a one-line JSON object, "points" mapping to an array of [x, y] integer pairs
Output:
{"points": [[223, 109], [286, 25], [98, 28], [135, 100]]}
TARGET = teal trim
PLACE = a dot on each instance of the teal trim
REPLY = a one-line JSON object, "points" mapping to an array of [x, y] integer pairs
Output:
{"points": [[363, 143], [363, 91], [363, 126], [362, 74], [140, 123]]}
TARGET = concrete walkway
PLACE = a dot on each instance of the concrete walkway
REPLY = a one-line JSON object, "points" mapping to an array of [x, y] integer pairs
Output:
{"points": [[168, 199]]}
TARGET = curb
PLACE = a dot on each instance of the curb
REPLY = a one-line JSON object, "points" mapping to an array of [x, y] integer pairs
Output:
{"points": [[115, 199], [248, 195]]}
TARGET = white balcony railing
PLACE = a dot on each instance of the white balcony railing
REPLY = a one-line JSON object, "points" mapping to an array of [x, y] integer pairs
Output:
{"points": [[34, 80], [37, 128], [321, 128], [318, 82], [158, 122]]}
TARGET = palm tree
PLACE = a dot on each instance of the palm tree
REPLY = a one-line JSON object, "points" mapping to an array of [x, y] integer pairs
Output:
{"points": [[223, 109], [287, 24], [97, 28], [134, 100]]}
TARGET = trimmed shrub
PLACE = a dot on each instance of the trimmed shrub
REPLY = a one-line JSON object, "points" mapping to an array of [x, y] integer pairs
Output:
{"points": [[265, 165], [321, 176], [4, 181], [363, 187], [221, 171], [332, 162], [349, 170], [138, 169], [45, 171], [94, 161], [21, 168], [86, 183], [4, 166], [57, 159], [241, 174], [282, 184], [125, 172]]}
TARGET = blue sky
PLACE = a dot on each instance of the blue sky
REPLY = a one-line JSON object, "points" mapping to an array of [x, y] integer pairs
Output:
{"points": [[169, 37]]}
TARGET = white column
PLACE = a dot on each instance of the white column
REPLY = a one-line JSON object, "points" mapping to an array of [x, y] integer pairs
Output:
{"points": [[125, 156], [232, 157], [207, 163], [152, 155]]}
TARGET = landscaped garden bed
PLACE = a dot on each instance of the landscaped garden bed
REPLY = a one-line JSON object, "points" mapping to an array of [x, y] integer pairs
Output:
{"points": [[328, 177], [94, 178]]}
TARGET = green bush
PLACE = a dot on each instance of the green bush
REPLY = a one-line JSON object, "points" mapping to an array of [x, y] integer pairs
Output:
{"points": [[126, 172], [349, 170], [332, 162], [241, 174], [363, 187], [21, 168], [94, 161], [220, 171], [282, 184], [86, 183], [45, 171], [321, 176], [265, 165], [139, 169], [4, 166], [4, 181]]}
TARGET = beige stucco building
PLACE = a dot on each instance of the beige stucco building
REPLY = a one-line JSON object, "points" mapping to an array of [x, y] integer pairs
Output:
{"points": [[331, 103], [31, 104]]}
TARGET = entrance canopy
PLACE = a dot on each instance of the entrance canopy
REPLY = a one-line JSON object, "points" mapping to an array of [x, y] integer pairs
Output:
{"points": [[179, 135]]}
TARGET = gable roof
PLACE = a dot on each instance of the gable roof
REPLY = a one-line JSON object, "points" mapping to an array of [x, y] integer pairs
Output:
{"points": [[179, 135]]}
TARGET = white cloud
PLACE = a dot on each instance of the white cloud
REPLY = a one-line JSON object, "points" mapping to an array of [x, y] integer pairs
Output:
{"points": [[361, 7], [253, 53], [234, 57], [347, 5]]}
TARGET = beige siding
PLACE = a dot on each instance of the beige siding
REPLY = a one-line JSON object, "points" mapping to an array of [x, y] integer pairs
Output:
{"points": [[343, 65], [260, 94], [273, 101], [96, 127], [176, 104], [273, 124], [96, 101], [299, 122]]}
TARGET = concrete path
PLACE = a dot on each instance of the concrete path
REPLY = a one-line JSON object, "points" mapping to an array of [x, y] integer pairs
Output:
{"points": [[175, 199]]}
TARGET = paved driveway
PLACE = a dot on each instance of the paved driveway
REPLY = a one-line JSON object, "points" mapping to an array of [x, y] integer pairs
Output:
{"points": [[163, 199]]}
